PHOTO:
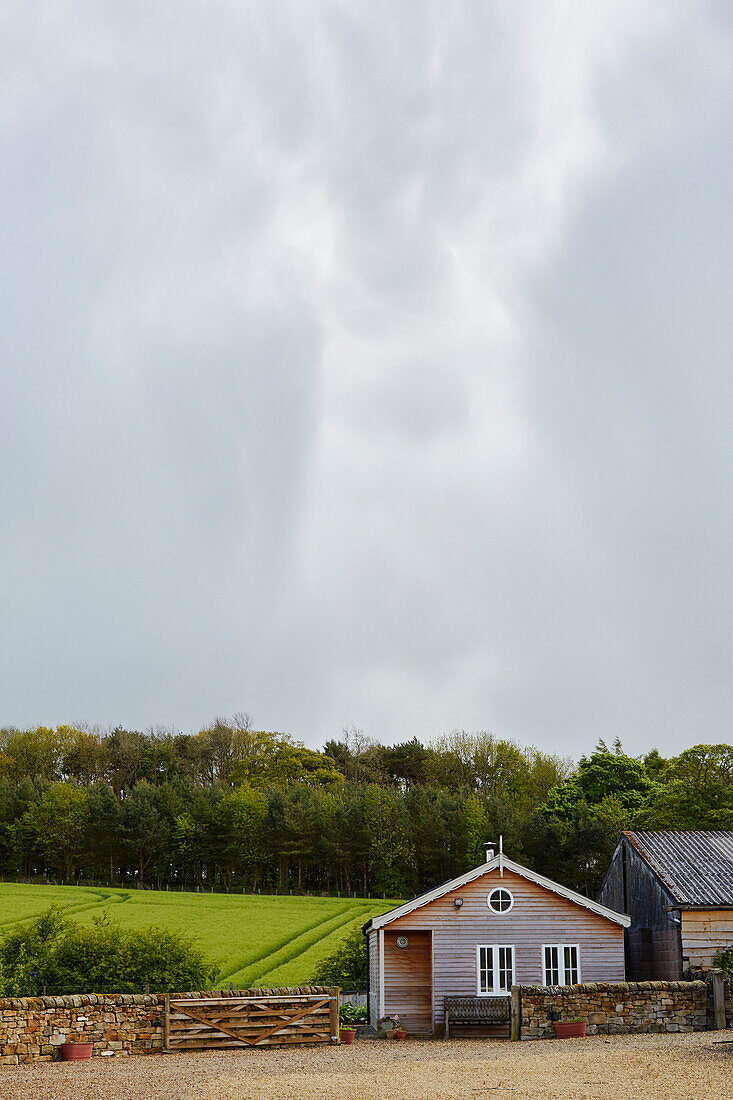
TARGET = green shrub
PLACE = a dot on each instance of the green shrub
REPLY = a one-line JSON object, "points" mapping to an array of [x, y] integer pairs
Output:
{"points": [[57, 954], [347, 966], [352, 1015], [724, 959]]}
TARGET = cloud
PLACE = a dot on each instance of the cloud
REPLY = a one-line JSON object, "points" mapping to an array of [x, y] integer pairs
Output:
{"points": [[328, 390]]}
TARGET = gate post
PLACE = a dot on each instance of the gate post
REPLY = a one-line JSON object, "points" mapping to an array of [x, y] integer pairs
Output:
{"points": [[333, 1010], [516, 1028], [718, 1001], [166, 1024]]}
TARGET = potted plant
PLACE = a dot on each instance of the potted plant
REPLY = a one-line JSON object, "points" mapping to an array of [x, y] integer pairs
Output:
{"points": [[572, 1028], [391, 1026], [349, 1016], [74, 1051]]}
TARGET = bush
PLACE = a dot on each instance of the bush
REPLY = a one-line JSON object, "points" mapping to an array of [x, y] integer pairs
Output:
{"points": [[724, 959], [352, 1015], [57, 954], [347, 966]]}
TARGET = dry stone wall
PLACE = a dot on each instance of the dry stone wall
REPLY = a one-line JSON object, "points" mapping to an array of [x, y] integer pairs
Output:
{"points": [[32, 1029], [697, 973], [615, 1008]]}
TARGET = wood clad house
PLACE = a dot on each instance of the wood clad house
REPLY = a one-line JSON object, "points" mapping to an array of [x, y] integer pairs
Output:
{"points": [[678, 889], [477, 935]]}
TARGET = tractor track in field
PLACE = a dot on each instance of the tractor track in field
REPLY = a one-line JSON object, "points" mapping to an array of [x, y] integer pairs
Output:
{"points": [[252, 958], [291, 947], [336, 926], [327, 943], [73, 908], [299, 936]]}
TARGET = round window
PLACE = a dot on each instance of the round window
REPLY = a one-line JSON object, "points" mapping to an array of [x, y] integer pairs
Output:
{"points": [[500, 900], [402, 941]]}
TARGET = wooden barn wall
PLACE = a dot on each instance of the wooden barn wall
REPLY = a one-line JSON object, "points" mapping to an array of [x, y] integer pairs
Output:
{"points": [[539, 916], [613, 888], [653, 946], [704, 933]]}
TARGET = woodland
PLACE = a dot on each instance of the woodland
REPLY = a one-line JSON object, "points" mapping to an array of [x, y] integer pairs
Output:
{"points": [[231, 808]]}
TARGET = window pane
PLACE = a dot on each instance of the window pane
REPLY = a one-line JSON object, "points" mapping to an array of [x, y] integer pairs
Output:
{"points": [[571, 965], [506, 968], [486, 970], [552, 966], [500, 900]]}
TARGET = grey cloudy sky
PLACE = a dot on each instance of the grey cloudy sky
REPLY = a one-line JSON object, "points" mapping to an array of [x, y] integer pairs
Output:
{"points": [[368, 363]]}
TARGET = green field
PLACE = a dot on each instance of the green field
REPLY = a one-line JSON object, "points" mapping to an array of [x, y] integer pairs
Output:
{"points": [[255, 939]]}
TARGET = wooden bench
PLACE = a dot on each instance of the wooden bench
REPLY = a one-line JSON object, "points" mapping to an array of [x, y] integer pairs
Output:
{"points": [[474, 1012]]}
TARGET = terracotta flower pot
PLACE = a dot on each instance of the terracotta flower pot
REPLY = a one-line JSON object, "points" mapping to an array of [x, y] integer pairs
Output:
{"points": [[400, 1034], [74, 1052], [571, 1029], [390, 1033], [347, 1035]]}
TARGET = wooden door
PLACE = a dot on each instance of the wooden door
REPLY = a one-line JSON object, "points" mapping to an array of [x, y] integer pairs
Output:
{"points": [[408, 979]]}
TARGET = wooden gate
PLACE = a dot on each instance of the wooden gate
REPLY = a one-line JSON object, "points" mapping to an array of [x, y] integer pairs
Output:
{"points": [[218, 1021]]}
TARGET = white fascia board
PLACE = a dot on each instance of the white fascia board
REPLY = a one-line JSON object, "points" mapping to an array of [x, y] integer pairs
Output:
{"points": [[433, 895], [571, 895], [485, 869]]}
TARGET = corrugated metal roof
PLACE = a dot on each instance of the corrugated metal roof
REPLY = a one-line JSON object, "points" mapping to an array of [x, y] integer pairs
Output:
{"points": [[696, 867]]}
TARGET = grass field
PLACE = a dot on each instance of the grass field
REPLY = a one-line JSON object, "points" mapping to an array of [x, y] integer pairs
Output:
{"points": [[255, 939]]}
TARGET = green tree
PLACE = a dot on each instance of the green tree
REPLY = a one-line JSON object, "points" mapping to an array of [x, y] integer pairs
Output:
{"points": [[104, 830], [346, 966], [390, 855], [654, 765], [406, 763], [695, 791], [293, 764], [124, 752], [474, 832], [299, 839], [601, 775], [58, 825], [144, 828], [34, 753], [244, 816]]}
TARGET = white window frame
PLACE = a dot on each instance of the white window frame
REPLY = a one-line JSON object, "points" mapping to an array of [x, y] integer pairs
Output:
{"points": [[494, 948], [500, 912], [562, 973]]}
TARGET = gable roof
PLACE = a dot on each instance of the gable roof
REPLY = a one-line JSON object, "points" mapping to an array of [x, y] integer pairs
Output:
{"points": [[485, 869], [696, 867]]}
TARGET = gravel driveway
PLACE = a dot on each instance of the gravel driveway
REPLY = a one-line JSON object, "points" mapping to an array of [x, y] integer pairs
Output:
{"points": [[656, 1067]]}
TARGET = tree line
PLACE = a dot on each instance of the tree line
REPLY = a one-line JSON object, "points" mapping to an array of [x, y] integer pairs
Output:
{"points": [[233, 808]]}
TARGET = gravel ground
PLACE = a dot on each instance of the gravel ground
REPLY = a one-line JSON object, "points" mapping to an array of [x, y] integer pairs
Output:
{"points": [[656, 1067]]}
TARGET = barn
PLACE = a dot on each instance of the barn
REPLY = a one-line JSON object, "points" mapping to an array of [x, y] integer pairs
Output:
{"points": [[477, 935], [678, 889]]}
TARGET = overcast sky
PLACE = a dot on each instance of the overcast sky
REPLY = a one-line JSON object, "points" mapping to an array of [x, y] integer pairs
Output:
{"points": [[368, 364]]}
